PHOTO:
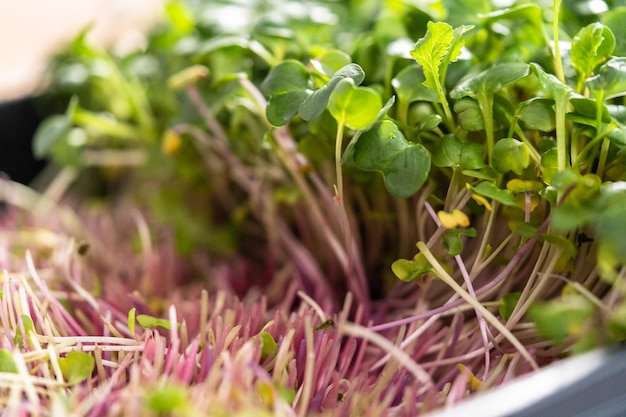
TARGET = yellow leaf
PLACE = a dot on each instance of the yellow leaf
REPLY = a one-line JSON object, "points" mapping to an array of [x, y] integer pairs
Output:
{"points": [[171, 142], [482, 201]]}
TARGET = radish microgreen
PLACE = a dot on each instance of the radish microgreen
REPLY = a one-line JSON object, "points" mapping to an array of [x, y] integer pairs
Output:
{"points": [[284, 161]]}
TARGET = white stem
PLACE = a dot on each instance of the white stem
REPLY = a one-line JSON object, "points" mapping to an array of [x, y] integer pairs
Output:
{"points": [[446, 278]]}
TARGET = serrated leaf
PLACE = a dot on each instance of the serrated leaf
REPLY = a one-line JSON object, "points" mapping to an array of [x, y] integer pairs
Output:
{"points": [[404, 165], [430, 51], [77, 366], [356, 107], [287, 86], [592, 45], [457, 44]]}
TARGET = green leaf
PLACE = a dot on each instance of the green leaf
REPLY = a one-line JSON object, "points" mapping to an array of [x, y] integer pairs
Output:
{"points": [[428, 123], [549, 165], [407, 270], [77, 366], [584, 188], [453, 152], [558, 319], [614, 18], [348, 155], [610, 81], [148, 322], [510, 155], [537, 114], [168, 400], [564, 244], [489, 190], [287, 86], [507, 304], [187, 76], [329, 62], [490, 80], [591, 46], [486, 173], [529, 11], [430, 51], [588, 108], [51, 130], [384, 149], [131, 321], [453, 241], [561, 93], [609, 221], [315, 104], [592, 211], [518, 185], [356, 107], [268, 345], [551, 84], [524, 229], [326, 324], [409, 87], [469, 115], [180, 17], [29, 326], [7, 364]]}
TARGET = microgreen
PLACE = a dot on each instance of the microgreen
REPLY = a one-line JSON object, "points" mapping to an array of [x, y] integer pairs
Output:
{"points": [[483, 86], [384, 148], [317, 145], [6, 362], [434, 52], [76, 366], [148, 322]]}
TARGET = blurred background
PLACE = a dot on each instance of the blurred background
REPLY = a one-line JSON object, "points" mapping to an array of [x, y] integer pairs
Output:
{"points": [[31, 31]]}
